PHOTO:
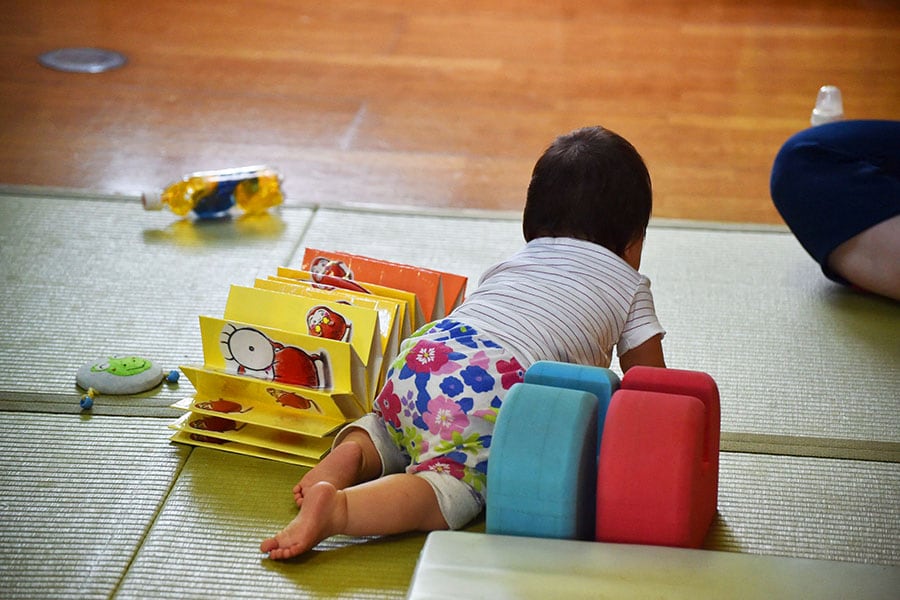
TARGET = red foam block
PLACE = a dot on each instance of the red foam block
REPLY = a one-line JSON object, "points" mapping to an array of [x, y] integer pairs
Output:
{"points": [[658, 474]]}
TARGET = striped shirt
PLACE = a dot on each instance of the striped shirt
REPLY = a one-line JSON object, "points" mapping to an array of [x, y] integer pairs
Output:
{"points": [[563, 299]]}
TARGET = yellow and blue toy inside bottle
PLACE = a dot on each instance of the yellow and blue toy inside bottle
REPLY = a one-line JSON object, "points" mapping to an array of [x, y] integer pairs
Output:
{"points": [[254, 190]]}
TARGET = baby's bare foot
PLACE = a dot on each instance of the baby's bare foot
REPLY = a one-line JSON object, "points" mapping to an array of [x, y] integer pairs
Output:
{"points": [[323, 514], [340, 468]]}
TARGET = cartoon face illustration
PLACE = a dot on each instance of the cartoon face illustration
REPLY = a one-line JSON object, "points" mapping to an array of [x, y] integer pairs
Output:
{"points": [[223, 406], [292, 400], [326, 323], [333, 268], [329, 274], [123, 366], [250, 352]]}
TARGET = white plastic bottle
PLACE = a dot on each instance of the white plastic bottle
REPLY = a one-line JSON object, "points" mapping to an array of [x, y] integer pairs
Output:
{"points": [[829, 106]]}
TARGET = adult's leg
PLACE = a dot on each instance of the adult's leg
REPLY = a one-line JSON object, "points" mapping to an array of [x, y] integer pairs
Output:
{"points": [[834, 182], [871, 260]]}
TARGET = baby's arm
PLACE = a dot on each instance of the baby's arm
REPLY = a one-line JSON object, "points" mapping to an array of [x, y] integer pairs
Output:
{"points": [[649, 354]]}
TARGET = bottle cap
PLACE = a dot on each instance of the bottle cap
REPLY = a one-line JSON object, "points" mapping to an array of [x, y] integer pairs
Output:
{"points": [[829, 106], [152, 200]]}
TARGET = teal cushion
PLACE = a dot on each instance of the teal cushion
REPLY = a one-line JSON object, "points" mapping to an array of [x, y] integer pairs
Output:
{"points": [[542, 471]]}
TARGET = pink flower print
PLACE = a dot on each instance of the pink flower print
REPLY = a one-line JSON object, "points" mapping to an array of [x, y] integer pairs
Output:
{"points": [[442, 465], [388, 405], [427, 356], [480, 360], [511, 372], [444, 417]]}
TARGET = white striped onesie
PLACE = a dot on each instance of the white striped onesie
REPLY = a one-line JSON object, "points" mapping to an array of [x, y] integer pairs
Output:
{"points": [[563, 299]]}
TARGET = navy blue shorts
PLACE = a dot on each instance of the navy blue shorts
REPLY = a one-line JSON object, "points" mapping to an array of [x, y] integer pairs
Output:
{"points": [[834, 181]]}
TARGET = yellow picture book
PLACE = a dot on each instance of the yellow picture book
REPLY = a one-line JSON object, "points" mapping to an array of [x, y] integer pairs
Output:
{"points": [[183, 437], [412, 322], [326, 320], [291, 417], [302, 410], [301, 354], [387, 309], [222, 430], [292, 359]]}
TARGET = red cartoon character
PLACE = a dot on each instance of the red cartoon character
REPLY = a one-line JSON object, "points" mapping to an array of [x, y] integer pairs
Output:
{"points": [[326, 323], [292, 400], [252, 353], [333, 268], [217, 424], [223, 406], [213, 424], [335, 274]]}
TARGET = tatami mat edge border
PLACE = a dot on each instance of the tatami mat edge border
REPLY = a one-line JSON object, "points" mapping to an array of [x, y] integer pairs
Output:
{"points": [[810, 447]]}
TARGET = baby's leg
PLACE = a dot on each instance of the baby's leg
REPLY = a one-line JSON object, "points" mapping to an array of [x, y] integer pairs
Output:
{"points": [[354, 460], [393, 504], [320, 516]]}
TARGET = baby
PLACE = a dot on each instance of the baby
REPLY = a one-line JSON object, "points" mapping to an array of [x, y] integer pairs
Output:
{"points": [[419, 461]]}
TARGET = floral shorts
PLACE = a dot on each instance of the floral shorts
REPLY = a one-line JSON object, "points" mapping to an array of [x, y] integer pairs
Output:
{"points": [[441, 400]]}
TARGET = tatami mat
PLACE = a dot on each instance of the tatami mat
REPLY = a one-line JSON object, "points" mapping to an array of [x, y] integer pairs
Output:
{"points": [[793, 353], [84, 278], [808, 507], [77, 497], [99, 505], [205, 542]]}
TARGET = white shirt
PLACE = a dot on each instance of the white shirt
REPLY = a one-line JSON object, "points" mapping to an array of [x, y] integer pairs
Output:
{"points": [[563, 299]]}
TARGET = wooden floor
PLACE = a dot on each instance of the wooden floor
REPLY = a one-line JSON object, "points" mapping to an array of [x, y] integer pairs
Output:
{"points": [[441, 103]]}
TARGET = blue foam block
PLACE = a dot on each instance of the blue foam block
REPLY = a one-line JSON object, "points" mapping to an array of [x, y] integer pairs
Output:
{"points": [[598, 381], [542, 471]]}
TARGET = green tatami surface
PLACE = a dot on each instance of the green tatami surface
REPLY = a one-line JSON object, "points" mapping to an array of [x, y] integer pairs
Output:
{"points": [[101, 505]]}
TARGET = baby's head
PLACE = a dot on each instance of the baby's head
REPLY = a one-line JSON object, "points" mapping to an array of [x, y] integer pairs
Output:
{"points": [[590, 184]]}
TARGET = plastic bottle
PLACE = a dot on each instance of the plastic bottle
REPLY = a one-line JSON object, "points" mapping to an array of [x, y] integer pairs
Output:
{"points": [[253, 190], [829, 106]]}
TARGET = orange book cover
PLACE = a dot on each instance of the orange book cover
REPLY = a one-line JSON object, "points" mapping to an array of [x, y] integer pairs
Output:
{"points": [[437, 293], [454, 290]]}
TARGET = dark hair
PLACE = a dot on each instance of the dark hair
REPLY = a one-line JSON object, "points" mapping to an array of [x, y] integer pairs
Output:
{"points": [[590, 184]]}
